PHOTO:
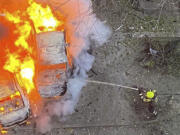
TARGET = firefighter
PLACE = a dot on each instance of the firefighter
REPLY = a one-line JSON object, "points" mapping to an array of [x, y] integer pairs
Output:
{"points": [[149, 97]]}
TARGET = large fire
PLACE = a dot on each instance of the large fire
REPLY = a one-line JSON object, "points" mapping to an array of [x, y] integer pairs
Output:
{"points": [[19, 46], [42, 18]]}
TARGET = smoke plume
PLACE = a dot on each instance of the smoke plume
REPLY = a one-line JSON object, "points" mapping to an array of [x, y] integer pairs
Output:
{"points": [[81, 27]]}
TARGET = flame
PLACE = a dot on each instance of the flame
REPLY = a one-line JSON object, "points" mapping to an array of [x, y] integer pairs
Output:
{"points": [[27, 73], [42, 18], [24, 32], [20, 57], [20, 46], [16, 94], [13, 18], [24, 70], [12, 63], [2, 109], [23, 29], [24, 65]]}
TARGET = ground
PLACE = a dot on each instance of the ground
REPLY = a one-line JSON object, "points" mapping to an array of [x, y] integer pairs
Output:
{"points": [[107, 110]]}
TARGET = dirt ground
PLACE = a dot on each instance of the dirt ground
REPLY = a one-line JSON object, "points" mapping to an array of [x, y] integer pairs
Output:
{"points": [[107, 110]]}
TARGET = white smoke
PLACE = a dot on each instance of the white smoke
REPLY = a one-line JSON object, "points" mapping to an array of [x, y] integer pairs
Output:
{"points": [[81, 27]]}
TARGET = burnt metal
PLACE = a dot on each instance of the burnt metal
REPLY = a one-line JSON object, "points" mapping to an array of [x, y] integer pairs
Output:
{"points": [[19, 113], [64, 89], [52, 51]]}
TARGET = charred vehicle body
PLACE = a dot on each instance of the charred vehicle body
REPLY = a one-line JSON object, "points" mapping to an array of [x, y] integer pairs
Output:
{"points": [[54, 64], [14, 105]]}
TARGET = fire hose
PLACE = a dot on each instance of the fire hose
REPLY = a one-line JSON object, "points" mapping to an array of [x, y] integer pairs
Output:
{"points": [[112, 84]]}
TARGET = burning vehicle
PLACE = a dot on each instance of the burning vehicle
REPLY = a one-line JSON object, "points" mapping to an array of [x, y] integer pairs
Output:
{"points": [[44, 48], [14, 105], [34, 65]]}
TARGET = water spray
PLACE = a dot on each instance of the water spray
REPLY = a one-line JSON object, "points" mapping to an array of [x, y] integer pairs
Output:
{"points": [[112, 84]]}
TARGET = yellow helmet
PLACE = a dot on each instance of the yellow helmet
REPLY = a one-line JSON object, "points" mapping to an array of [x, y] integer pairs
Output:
{"points": [[150, 94]]}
